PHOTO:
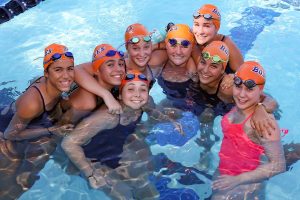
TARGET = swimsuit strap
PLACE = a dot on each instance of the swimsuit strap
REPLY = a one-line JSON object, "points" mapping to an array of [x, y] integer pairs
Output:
{"points": [[223, 37], [149, 68], [247, 119], [218, 88], [44, 107]]}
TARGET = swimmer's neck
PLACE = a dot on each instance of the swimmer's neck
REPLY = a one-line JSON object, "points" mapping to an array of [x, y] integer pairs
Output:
{"points": [[130, 65], [212, 87], [173, 65]]}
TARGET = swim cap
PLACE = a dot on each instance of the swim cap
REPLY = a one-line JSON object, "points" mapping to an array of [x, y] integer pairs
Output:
{"points": [[133, 75], [251, 70], [180, 31], [102, 53], [54, 49], [218, 48], [135, 30], [213, 11]]}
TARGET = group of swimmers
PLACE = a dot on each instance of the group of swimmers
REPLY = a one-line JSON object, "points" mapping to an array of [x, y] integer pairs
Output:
{"points": [[199, 70]]}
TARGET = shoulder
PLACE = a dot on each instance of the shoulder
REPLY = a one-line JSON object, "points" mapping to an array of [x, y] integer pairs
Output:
{"points": [[81, 99], [30, 104], [86, 66], [158, 57]]}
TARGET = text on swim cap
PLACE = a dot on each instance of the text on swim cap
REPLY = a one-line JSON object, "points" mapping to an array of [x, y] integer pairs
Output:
{"points": [[48, 51], [99, 51], [258, 71], [216, 12], [223, 48]]}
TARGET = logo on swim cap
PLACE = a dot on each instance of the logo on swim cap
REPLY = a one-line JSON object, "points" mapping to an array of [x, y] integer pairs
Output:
{"points": [[99, 51], [216, 12], [223, 48], [258, 71], [48, 51], [129, 29]]}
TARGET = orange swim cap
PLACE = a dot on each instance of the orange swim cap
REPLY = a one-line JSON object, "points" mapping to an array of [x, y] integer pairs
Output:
{"points": [[55, 49], [133, 75], [135, 30], [251, 70], [180, 31], [102, 53], [218, 49], [213, 11]]}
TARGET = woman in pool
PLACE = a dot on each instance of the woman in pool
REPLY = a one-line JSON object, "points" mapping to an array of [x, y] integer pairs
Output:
{"points": [[105, 150], [28, 138], [108, 69], [242, 167], [207, 21], [140, 57], [175, 76], [139, 47]]}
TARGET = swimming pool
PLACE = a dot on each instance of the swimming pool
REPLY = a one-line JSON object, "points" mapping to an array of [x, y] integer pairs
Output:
{"points": [[264, 30]]}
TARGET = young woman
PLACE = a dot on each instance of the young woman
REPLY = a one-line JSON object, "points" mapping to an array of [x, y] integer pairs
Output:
{"points": [[242, 167], [108, 69], [176, 76], [29, 140], [105, 150], [206, 24], [139, 47]]}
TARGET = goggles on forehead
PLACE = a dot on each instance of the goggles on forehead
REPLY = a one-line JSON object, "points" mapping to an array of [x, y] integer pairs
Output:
{"points": [[132, 76], [110, 53], [184, 43], [196, 15], [248, 83], [57, 56], [136, 40], [214, 58]]}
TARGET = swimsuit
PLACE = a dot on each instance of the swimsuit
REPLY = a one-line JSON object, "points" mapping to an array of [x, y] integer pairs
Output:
{"points": [[238, 153]]}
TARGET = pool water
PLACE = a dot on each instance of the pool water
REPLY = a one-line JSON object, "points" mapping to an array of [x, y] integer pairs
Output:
{"points": [[265, 30]]}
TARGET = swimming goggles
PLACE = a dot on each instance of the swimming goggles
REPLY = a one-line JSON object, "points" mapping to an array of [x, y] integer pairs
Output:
{"points": [[136, 40], [57, 56], [132, 76], [110, 53], [248, 83], [184, 43], [214, 58], [196, 15]]}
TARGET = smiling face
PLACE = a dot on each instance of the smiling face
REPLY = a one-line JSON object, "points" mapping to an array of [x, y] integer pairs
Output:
{"points": [[204, 30], [246, 99], [60, 74], [111, 72], [135, 94], [177, 53], [140, 53], [209, 72]]}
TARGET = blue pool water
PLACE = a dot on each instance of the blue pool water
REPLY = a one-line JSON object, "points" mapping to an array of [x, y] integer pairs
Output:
{"points": [[265, 30]]}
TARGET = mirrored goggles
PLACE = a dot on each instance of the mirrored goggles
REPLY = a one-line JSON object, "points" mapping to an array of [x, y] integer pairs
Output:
{"points": [[110, 53], [196, 15], [57, 56], [136, 40], [248, 83], [214, 58], [132, 76], [184, 43]]}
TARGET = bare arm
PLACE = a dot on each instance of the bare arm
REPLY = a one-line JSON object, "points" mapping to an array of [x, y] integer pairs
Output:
{"points": [[28, 107], [89, 127], [261, 120], [84, 78], [275, 164], [235, 56]]}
